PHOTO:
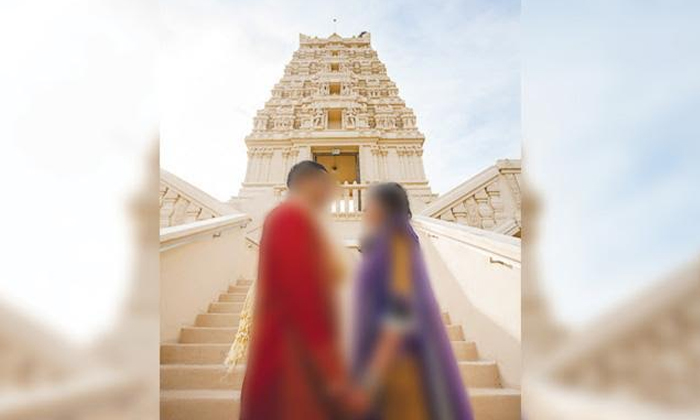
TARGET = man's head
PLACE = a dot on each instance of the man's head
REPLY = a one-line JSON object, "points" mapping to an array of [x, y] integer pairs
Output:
{"points": [[310, 182]]}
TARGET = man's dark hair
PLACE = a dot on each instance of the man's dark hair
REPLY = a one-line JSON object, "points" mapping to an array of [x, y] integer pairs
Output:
{"points": [[302, 170], [393, 199]]}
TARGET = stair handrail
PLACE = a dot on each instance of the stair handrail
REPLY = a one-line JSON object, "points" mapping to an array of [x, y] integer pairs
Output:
{"points": [[174, 236], [502, 249], [476, 276], [193, 248]]}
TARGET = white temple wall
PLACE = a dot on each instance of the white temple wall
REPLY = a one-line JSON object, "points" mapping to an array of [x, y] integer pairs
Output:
{"points": [[476, 277], [379, 164], [277, 163], [367, 164], [304, 153], [393, 165], [195, 260]]}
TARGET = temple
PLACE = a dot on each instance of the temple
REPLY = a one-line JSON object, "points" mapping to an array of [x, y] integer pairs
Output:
{"points": [[335, 104]]}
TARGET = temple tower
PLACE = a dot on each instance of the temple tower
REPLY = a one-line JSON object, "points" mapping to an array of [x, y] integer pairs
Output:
{"points": [[335, 104]]}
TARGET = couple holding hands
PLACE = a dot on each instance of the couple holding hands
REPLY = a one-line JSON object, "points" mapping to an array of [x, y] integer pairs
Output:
{"points": [[402, 366]]}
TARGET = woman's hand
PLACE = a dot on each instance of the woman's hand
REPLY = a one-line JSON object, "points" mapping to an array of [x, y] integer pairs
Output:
{"points": [[358, 402]]}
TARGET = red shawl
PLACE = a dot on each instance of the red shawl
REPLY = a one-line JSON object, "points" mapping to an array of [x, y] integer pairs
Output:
{"points": [[294, 367]]}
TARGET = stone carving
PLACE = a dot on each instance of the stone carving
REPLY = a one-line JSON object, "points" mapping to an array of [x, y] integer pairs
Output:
{"points": [[282, 123], [512, 178], [385, 122], [362, 121], [319, 120], [408, 121], [490, 200], [181, 202], [349, 118], [307, 121], [261, 123], [284, 120], [308, 78], [384, 117]]}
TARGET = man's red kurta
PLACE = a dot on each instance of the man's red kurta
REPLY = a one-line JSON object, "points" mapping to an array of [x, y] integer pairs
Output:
{"points": [[294, 364]]}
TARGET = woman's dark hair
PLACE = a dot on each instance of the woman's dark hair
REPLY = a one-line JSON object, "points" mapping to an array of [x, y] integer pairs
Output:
{"points": [[393, 199]]}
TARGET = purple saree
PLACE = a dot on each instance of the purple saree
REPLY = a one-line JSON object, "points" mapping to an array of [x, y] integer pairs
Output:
{"points": [[426, 342]]}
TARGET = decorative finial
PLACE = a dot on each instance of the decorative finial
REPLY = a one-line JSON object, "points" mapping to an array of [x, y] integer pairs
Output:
{"points": [[335, 25]]}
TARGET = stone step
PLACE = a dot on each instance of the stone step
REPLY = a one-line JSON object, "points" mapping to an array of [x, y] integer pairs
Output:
{"points": [[193, 353], [217, 320], [214, 376], [495, 403], [480, 374], [204, 404], [232, 297], [226, 307], [207, 335], [238, 289], [454, 332], [446, 318], [200, 377], [213, 353], [244, 282], [465, 350], [487, 404]]}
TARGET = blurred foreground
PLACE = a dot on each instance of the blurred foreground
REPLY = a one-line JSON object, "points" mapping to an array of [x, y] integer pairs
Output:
{"points": [[78, 290], [612, 282], [639, 361], [44, 375]]}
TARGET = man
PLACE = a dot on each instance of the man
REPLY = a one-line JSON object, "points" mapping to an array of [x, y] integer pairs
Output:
{"points": [[295, 369]]}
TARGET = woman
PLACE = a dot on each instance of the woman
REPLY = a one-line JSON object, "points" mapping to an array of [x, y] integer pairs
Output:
{"points": [[402, 355]]}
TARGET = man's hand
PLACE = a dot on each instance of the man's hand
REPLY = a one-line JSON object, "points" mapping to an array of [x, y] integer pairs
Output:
{"points": [[357, 401]]}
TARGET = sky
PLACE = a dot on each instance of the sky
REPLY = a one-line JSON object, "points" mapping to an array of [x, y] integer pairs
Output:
{"points": [[610, 99], [456, 63], [612, 141]]}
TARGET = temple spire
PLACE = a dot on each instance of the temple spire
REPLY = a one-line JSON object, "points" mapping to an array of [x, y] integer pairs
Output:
{"points": [[336, 104]]}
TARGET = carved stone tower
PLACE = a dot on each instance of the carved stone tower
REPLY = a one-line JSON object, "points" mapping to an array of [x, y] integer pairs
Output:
{"points": [[335, 104]]}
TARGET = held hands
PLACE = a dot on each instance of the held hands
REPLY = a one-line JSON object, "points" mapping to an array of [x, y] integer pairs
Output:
{"points": [[357, 401], [359, 398], [354, 401]]}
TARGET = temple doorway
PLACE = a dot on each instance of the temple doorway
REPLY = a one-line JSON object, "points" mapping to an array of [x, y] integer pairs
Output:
{"points": [[343, 165]]}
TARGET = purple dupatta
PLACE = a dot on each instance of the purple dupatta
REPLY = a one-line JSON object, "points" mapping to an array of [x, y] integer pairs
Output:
{"points": [[427, 342]]}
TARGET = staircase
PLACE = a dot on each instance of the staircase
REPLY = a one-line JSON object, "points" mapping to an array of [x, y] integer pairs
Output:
{"points": [[193, 385]]}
